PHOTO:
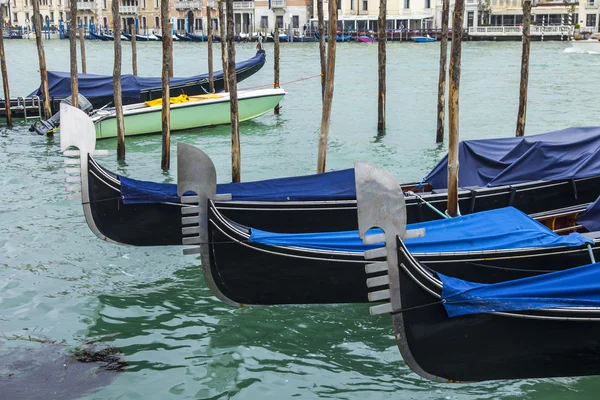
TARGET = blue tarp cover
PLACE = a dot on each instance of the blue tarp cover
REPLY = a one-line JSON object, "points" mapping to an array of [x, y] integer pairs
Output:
{"points": [[566, 154], [590, 219], [575, 287], [336, 185], [102, 85], [501, 229]]}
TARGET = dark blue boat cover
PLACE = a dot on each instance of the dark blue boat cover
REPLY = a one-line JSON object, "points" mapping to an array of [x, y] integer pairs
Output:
{"points": [[575, 287], [90, 85], [590, 219], [566, 154], [336, 185], [501, 229]]}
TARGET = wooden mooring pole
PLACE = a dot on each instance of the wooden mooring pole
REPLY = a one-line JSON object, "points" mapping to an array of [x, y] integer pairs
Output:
{"points": [[441, 103], [118, 99], [73, 50], [328, 97], [4, 73], [233, 100], [37, 25], [522, 115], [133, 49], [455, 54], [381, 57], [82, 47], [211, 78], [167, 58], [322, 55], [276, 65], [223, 33]]}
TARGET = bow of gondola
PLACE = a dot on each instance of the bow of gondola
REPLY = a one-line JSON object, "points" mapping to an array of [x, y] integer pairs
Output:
{"points": [[481, 338]]}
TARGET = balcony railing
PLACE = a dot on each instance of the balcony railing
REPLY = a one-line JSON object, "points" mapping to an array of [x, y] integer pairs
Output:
{"points": [[85, 5], [243, 5], [277, 3], [128, 9], [517, 30], [187, 5]]}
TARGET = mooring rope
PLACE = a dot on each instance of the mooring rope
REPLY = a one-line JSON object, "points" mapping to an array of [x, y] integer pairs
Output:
{"points": [[284, 83]]}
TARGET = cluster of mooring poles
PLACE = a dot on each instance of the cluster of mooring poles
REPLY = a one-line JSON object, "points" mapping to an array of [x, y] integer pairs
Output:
{"points": [[453, 95], [327, 62]]}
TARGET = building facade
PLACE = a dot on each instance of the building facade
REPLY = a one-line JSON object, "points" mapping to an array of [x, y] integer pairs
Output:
{"points": [[296, 16]]}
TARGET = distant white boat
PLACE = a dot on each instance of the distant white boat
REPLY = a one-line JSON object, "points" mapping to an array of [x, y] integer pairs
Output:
{"points": [[591, 45]]}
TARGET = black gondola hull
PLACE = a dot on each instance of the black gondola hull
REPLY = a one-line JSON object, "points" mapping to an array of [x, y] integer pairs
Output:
{"points": [[251, 273], [531, 344], [161, 222]]}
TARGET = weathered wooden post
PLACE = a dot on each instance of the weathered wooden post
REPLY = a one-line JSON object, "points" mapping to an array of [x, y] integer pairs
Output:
{"points": [[211, 78], [455, 53], [133, 49], [328, 97], [118, 97], [82, 47], [4, 73], [73, 50], [381, 44], [522, 115], [223, 33], [441, 103], [233, 100], [37, 25], [276, 65], [322, 56], [171, 64], [167, 56]]}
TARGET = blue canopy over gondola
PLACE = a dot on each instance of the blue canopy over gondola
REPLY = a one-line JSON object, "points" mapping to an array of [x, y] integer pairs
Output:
{"points": [[90, 85], [567, 154], [575, 287], [336, 185], [500, 229]]}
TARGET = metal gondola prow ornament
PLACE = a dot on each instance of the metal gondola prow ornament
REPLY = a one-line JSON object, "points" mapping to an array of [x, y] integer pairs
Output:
{"points": [[77, 130], [380, 205], [197, 186]]}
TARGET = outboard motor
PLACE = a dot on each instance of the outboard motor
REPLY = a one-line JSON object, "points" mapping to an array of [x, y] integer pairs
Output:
{"points": [[49, 126]]}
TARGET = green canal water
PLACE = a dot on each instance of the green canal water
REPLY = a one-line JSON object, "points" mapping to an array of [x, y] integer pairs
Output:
{"points": [[59, 282]]}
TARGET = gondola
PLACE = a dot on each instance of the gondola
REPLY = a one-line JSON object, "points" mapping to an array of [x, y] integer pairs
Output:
{"points": [[98, 89], [202, 38], [183, 37], [452, 330], [100, 36], [122, 206]]}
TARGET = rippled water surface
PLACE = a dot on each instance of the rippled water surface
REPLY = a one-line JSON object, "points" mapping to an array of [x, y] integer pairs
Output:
{"points": [[59, 282]]}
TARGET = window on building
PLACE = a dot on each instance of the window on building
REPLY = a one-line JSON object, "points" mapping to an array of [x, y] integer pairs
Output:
{"points": [[181, 24], [157, 22], [591, 3], [198, 24], [279, 21], [15, 18], [295, 21], [26, 3], [470, 16], [155, 3], [365, 5], [352, 4], [427, 3], [143, 3], [339, 4], [105, 22], [27, 20], [104, 4], [406, 4], [590, 20], [14, 3], [264, 22], [52, 16]]}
